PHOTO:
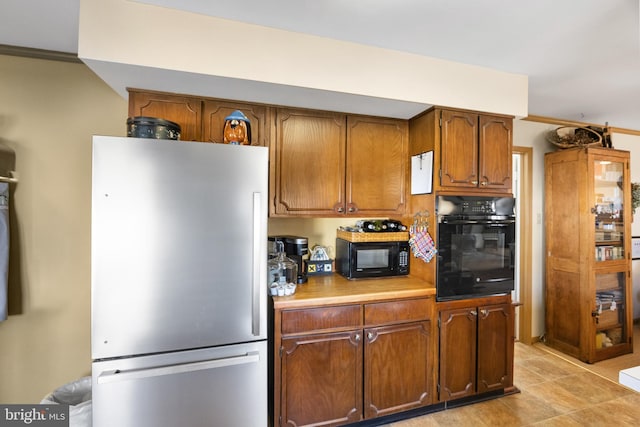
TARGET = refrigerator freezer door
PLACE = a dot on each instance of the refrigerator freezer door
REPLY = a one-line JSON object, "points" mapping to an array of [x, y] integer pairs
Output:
{"points": [[225, 386], [179, 236]]}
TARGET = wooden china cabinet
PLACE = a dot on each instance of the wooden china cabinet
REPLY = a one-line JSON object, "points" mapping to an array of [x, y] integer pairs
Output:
{"points": [[588, 247]]}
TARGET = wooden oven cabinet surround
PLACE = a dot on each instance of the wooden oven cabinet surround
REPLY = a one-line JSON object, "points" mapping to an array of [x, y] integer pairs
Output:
{"points": [[472, 150], [340, 359]]}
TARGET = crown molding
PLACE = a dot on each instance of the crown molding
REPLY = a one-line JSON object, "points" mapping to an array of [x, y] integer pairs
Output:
{"points": [[28, 52], [560, 122]]}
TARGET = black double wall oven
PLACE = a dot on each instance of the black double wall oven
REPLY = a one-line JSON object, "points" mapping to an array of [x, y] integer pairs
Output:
{"points": [[476, 246]]}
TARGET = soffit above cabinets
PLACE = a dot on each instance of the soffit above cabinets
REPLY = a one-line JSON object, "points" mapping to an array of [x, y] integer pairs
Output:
{"points": [[197, 54]]}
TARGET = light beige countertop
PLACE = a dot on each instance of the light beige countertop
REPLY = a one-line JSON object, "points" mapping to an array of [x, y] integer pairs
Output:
{"points": [[335, 289]]}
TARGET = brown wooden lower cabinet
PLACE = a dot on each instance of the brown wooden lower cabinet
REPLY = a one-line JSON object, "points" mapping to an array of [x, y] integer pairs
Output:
{"points": [[333, 368], [322, 379], [397, 368], [476, 348]]}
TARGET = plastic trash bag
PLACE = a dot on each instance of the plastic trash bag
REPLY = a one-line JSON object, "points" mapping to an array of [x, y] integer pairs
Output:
{"points": [[76, 394]]}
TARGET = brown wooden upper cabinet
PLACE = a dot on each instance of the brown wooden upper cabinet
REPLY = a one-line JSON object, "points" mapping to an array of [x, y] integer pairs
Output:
{"points": [[216, 111], [200, 119], [332, 164], [475, 151], [183, 110]]}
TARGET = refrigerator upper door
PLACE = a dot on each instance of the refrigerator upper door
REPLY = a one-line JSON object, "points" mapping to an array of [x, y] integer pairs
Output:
{"points": [[179, 232]]}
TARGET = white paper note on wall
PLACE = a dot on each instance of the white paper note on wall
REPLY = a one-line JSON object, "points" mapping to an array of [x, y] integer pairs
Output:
{"points": [[422, 173]]}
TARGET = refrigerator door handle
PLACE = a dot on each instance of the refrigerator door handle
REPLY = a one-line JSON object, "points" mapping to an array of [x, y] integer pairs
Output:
{"points": [[257, 253], [134, 374]]}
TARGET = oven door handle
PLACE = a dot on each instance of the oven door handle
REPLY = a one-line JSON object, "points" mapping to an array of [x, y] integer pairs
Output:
{"points": [[500, 279], [500, 223]]}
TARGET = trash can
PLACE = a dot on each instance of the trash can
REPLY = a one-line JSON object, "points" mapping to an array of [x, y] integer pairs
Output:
{"points": [[76, 394]]}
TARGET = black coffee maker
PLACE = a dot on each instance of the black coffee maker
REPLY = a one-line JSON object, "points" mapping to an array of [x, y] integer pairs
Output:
{"points": [[296, 248]]}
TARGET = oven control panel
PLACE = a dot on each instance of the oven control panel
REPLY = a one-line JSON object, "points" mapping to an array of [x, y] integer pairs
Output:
{"points": [[474, 206], [478, 207]]}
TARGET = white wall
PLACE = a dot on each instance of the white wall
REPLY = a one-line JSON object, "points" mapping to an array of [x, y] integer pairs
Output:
{"points": [[632, 144], [532, 134]]}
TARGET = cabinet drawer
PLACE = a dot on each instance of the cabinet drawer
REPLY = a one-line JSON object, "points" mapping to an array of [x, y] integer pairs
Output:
{"points": [[321, 318], [397, 311]]}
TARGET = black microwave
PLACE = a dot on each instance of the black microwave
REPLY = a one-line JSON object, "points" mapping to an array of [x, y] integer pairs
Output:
{"points": [[356, 260]]}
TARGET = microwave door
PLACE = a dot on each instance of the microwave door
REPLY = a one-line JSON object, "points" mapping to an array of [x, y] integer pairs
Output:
{"points": [[373, 259]]}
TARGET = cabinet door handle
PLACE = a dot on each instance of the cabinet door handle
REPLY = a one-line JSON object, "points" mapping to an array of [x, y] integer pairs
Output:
{"points": [[340, 209], [352, 209], [484, 312], [483, 183], [356, 338], [474, 182], [473, 313], [370, 335]]}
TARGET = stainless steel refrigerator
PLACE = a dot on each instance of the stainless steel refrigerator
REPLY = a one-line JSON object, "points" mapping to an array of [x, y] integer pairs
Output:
{"points": [[179, 299]]}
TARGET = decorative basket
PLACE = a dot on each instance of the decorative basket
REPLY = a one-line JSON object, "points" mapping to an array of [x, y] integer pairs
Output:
{"points": [[399, 236], [571, 137]]}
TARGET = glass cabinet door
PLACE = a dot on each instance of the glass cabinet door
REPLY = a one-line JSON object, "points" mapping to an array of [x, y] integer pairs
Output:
{"points": [[608, 210], [609, 312]]}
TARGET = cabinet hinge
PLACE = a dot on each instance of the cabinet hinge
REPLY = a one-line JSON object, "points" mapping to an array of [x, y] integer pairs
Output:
{"points": [[281, 350], [438, 323], [440, 124]]}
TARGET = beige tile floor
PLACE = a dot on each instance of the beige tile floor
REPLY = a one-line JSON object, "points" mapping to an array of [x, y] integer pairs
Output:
{"points": [[555, 391]]}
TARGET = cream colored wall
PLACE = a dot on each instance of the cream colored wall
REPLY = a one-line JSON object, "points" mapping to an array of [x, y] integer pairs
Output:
{"points": [[319, 231], [48, 112]]}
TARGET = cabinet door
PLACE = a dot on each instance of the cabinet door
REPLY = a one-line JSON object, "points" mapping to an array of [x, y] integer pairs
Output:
{"points": [[495, 152], [495, 347], [215, 112], [308, 163], [459, 149], [377, 158], [322, 379], [611, 333], [457, 353], [183, 110], [397, 368]]}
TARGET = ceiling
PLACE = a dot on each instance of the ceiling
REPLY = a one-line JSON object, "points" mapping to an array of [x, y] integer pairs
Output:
{"points": [[582, 57]]}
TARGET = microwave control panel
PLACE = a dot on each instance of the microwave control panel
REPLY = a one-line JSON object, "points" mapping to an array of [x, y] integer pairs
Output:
{"points": [[403, 259]]}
